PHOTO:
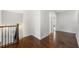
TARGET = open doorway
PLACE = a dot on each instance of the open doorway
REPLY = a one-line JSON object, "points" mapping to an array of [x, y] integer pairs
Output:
{"points": [[52, 24]]}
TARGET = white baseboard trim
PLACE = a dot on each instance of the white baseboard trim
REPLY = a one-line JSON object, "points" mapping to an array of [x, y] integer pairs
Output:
{"points": [[37, 37], [45, 35], [66, 31]]}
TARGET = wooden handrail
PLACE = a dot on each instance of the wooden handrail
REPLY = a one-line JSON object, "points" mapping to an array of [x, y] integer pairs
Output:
{"points": [[7, 26]]}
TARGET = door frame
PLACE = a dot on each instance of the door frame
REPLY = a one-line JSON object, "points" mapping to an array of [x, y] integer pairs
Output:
{"points": [[52, 15]]}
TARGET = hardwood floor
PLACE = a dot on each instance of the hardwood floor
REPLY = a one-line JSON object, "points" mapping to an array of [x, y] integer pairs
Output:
{"points": [[63, 40], [27, 42]]}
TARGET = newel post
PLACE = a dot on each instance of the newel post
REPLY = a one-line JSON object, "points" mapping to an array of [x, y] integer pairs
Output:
{"points": [[17, 33]]}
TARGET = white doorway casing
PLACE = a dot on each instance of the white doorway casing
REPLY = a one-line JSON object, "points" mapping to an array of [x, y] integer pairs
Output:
{"points": [[52, 23]]}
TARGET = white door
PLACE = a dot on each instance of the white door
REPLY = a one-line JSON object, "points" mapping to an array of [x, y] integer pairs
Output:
{"points": [[52, 22]]}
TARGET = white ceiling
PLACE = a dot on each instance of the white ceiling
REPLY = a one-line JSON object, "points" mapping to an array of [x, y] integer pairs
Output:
{"points": [[17, 11], [58, 11], [61, 10], [21, 11]]}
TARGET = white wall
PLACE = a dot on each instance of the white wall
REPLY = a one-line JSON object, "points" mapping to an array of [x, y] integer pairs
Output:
{"points": [[77, 32], [0, 22], [31, 23], [36, 22], [0, 16], [12, 18], [44, 23], [67, 21]]}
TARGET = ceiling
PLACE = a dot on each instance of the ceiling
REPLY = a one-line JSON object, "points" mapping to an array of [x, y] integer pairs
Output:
{"points": [[61, 10], [16, 11], [21, 11]]}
